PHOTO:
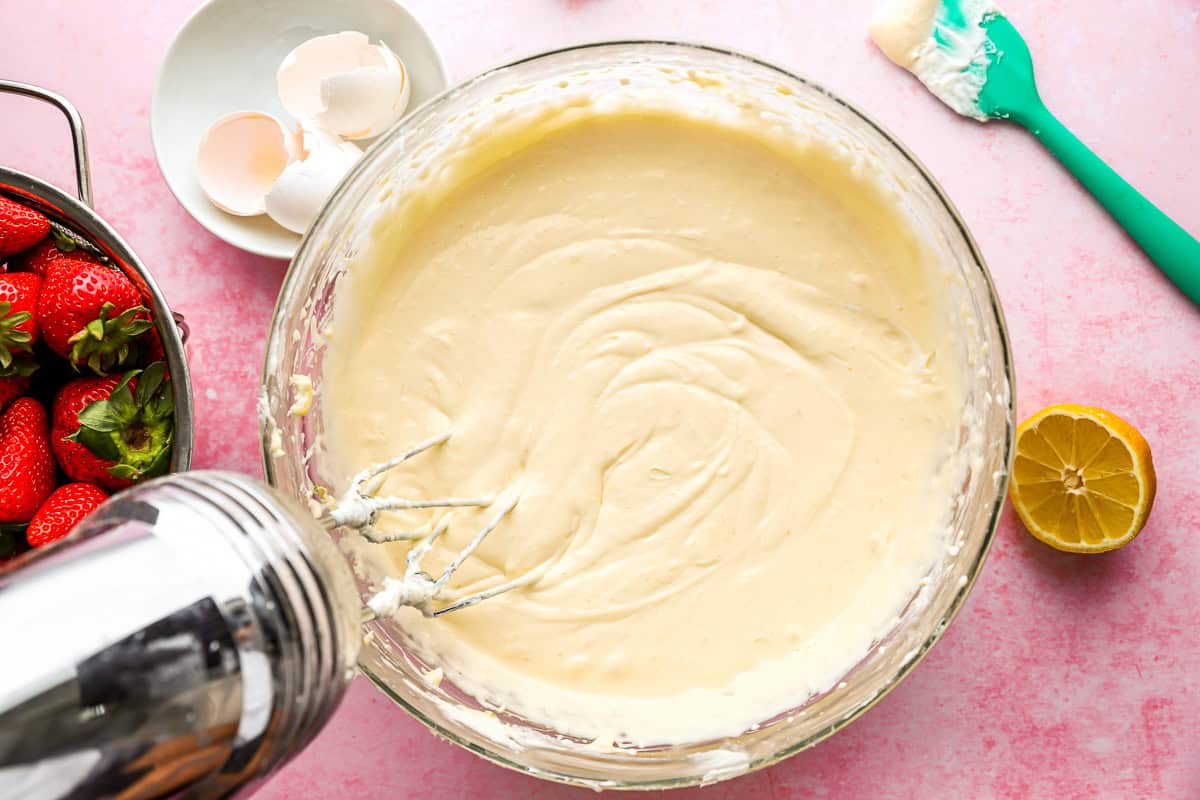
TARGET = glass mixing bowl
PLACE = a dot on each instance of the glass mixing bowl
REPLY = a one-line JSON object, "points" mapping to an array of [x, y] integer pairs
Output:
{"points": [[647, 72]]}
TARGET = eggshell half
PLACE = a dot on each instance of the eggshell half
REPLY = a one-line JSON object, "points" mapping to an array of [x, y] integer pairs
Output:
{"points": [[344, 84], [240, 158], [300, 192], [367, 101]]}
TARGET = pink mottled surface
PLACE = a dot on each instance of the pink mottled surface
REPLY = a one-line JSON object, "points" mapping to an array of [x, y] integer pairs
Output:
{"points": [[1064, 676]]}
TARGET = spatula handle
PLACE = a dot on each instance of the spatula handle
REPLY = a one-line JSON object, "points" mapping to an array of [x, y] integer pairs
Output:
{"points": [[1174, 250]]}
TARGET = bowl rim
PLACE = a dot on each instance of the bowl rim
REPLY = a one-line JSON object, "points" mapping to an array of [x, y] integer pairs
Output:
{"points": [[291, 285], [76, 214]]}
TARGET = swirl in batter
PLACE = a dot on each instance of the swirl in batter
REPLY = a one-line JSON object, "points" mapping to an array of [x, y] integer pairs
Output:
{"points": [[723, 382]]}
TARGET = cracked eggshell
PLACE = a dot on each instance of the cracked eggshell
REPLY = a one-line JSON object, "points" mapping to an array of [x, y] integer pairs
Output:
{"points": [[367, 101], [300, 192], [240, 158], [344, 84]]}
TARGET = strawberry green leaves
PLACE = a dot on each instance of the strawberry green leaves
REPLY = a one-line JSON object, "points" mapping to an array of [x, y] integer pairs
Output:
{"points": [[104, 342], [19, 329], [14, 340], [134, 427]]}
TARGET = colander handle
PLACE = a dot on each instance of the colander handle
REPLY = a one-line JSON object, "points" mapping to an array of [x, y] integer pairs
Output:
{"points": [[83, 176]]}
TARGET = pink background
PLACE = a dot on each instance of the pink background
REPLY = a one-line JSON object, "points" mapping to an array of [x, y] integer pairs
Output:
{"points": [[1064, 676]]}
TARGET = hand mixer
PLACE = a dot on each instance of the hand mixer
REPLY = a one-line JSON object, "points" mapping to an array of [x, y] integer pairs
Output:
{"points": [[194, 633]]}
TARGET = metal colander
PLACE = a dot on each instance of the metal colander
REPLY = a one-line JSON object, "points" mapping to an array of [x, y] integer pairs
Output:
{"points": [[78, 217]]}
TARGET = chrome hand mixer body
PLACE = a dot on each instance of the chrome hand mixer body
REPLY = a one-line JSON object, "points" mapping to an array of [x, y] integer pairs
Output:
{"points": [[196, 632]]}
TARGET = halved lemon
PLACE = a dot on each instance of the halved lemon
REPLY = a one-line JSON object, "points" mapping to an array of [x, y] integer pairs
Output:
{"points": [[1083, 480]]}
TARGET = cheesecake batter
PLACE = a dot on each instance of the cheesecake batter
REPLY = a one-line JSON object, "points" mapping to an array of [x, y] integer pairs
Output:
{"points": [[720, 377]]}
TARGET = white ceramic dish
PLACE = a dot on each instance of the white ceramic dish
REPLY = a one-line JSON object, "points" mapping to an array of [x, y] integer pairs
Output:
{"points": [[639, 73], [224, 59]]}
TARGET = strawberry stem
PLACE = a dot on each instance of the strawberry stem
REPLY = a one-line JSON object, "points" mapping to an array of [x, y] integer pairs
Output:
{"points": [[104, 343], [133, 429]]}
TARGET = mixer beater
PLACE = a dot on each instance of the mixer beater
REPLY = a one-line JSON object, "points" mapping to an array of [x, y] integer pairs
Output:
{"points": [[359, 508]]}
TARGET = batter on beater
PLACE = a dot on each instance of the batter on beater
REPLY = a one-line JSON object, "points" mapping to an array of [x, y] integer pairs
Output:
{"points": [[722, 383]]}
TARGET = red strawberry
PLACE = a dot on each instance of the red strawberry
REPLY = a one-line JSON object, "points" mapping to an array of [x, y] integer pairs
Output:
{"points": [[11, 388], [26, 463], [62, 511], [115, 430], [90, 314], [77, 461], [20, 227], [18, 321], [54, 248]]}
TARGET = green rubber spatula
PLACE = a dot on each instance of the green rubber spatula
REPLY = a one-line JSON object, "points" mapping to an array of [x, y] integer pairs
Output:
{"points": [[972, 58]]}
